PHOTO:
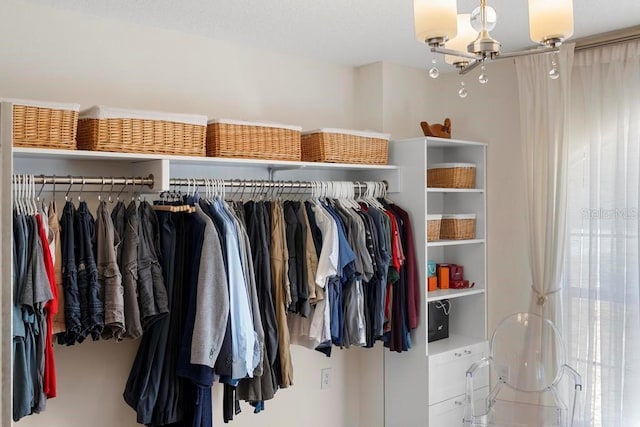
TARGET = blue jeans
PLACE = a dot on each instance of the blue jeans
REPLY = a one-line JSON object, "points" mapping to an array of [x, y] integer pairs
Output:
{"points": [[72, 311], [91, 305]]}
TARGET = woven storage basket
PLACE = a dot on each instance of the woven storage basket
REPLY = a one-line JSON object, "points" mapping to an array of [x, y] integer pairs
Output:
{"points": [[39, 124], [345, 146], [133, 131], [433, 227], [458, 227], [249, 140], [452, 175]]}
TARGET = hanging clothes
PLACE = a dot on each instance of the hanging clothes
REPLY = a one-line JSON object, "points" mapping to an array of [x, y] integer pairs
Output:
{"points": [[109, 277], [91, 306]]}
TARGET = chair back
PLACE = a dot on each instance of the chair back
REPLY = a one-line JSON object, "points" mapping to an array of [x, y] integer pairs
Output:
{"points": [[528, 352]]}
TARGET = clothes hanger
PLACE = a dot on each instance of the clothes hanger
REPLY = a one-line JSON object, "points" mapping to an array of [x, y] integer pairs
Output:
{"points": [[101, 188], [66, 196], [44, 182], [81, 190]]}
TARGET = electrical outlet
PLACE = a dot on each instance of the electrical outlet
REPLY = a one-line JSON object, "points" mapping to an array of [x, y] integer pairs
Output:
{"points": [[325, 377]]}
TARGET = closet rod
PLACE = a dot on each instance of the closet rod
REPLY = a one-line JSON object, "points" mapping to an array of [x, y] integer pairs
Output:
{"points": [[84, 180], [260, 183], [148, 181]]}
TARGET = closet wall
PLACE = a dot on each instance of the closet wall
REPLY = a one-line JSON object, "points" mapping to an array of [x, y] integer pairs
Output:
{"points": [[491, 113], [65, 56]]}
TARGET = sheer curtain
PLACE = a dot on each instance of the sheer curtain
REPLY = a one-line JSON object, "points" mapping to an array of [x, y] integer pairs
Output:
{"points": [[601, 289], [544, 107]]}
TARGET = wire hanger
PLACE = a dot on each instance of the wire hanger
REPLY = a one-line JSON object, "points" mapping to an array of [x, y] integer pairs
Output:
{"points": [[81, 189], [66, 196]]}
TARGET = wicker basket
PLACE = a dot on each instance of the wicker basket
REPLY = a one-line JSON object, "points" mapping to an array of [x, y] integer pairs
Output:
{"points": [[39, 124], [345, 146], [248, 140], [433, 227], [132, 131], [452, 175], [458, 227]]}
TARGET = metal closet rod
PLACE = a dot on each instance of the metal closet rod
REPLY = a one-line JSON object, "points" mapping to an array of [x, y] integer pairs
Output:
{"points": [[149, 181]]}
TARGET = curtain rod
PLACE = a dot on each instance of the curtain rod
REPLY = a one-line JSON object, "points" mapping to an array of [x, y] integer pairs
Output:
{"points": [[608, 38], [149, 181]]}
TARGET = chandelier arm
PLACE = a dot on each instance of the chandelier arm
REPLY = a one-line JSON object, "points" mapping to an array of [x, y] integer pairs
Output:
{"points": [[445, 51], [471, 66], [537, 51]]}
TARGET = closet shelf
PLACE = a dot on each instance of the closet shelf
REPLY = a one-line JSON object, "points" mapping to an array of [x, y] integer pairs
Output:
{"points": [[454, 190], [44, 153], [455, 242], [452, 293]]}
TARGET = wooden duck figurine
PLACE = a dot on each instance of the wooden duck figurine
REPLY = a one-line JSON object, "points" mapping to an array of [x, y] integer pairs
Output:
{"points": [[437, 130]]}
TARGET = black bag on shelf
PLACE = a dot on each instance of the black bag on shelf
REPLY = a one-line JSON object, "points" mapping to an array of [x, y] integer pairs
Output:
{"points": [[438, 320]]}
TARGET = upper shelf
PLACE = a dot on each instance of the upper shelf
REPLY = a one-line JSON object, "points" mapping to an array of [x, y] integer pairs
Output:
{"points": [[454, 190], [44, 153], [443, 142]]}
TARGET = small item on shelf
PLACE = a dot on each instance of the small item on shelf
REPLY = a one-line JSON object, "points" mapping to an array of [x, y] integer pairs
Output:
{"points": [[431, 268], [433, 227], [142, 132], [458, 227], [443, 276], [41, 124], [437, 130], [433, 283], [460, 284], [438, 318], [252, 140], [451, 175], [345, 146], [456, 272]]}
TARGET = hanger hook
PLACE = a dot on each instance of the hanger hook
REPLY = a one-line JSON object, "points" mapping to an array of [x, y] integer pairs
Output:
{"points": [[44, 181], [81, 189], [66, 196]]}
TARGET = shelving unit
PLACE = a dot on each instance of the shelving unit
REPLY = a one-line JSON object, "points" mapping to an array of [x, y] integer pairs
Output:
{"points": [[438, 378]]}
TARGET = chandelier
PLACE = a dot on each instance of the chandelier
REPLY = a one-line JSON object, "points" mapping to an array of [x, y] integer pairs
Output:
{"points": [[466, 42]]}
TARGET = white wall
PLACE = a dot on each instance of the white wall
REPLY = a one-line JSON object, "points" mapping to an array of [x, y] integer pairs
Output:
{"points": [[66, 56], [490, 113]]}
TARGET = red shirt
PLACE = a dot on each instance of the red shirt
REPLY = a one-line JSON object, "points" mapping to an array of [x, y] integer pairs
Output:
{"points": [[51, 308]]}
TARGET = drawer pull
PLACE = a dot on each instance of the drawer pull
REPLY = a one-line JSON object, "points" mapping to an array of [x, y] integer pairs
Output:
{"points": [[467, 352], [457, 403]]}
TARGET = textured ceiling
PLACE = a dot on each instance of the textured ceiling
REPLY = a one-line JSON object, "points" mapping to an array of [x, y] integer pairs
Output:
{"points": [[351, 32]]}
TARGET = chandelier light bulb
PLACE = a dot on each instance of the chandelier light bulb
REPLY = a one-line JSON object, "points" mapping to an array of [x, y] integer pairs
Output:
{"points": [[550, 19], [435, 19]]}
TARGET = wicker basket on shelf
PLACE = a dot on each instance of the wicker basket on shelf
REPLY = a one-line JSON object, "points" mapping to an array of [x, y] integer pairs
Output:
{"points": [[134, 131], [250, 140], [452, 175], [38, 124], [433, 227], [458, 227], [345, 146]]}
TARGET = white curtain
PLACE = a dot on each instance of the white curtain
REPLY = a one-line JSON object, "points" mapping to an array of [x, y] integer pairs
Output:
{"points": [[544, 106], [601, 280]]}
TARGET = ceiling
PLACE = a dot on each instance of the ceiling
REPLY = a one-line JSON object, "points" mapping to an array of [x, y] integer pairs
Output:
{"points": [[350, 32]]}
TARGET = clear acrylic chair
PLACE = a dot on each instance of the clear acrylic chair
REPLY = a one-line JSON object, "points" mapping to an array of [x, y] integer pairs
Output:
{"points": [[527, 355]]}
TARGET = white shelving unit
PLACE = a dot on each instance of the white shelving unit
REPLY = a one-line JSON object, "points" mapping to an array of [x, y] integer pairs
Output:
{"points": [[438, 378]]}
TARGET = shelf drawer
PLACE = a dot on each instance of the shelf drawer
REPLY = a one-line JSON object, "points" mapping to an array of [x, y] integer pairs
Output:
{"points": [[447, 371], [451, 412]]}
